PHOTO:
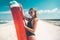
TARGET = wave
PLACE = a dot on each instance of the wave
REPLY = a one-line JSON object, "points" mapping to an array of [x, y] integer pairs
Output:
{"points": [[5, 21]]}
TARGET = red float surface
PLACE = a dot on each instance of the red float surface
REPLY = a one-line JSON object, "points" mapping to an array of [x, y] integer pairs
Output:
{"points": [[17, 14]]}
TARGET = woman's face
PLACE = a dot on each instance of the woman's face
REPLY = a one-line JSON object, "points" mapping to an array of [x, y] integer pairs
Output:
{"points": [[32, 13]]}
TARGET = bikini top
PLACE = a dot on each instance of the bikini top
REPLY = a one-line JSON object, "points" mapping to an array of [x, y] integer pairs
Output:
{"points": [[29, 24]]}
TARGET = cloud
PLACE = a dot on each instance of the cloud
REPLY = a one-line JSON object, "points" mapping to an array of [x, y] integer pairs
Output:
{"points": [[5, 12], [49, 11], [26, 12], [55, 10], [9, 11]]}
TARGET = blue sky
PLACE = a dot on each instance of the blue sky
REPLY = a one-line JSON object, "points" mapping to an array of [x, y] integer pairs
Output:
{"points": [[47, 9]]}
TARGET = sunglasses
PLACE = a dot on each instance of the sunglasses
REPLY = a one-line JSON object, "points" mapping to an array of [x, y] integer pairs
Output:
{"points": [[30, 12]]}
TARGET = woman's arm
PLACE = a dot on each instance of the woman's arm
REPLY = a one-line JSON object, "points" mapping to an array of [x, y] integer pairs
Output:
{"points": [[33, 26]]}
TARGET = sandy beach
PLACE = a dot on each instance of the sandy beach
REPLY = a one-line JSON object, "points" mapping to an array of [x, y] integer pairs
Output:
{"points": [[7, 31], [44, 31]]}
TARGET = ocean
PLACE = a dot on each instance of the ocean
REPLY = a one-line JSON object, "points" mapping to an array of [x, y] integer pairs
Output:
{"points": [[52, 21]]}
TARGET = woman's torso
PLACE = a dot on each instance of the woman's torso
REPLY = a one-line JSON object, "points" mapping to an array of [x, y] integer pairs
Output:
{"points": [[29, 24]]}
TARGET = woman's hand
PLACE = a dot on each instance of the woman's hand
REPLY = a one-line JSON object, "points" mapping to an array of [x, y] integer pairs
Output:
{"points": [[24, 24], [27, 28]]}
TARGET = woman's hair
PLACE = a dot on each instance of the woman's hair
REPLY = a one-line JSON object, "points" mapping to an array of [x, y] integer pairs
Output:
{"points": [[35, 11]]}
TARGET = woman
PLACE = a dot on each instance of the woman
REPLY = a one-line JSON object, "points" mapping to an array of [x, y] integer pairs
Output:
{"points": [[31, 25]]}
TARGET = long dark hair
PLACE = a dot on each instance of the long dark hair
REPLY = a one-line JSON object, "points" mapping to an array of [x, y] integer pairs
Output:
{"points": [[34, 11]]}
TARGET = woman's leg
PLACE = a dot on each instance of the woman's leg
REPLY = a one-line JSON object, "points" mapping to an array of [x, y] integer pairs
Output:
{"points": [[32, 37]]}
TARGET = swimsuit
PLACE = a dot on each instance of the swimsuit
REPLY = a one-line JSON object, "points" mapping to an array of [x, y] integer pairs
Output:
{"points": [[29, 24]]}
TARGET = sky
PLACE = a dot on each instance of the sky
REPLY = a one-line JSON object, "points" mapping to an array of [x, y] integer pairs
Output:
{"points": [[46, 9]]}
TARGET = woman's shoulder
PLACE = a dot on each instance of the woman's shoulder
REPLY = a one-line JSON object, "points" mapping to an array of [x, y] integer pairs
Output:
{"points": [[35, 19]]}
